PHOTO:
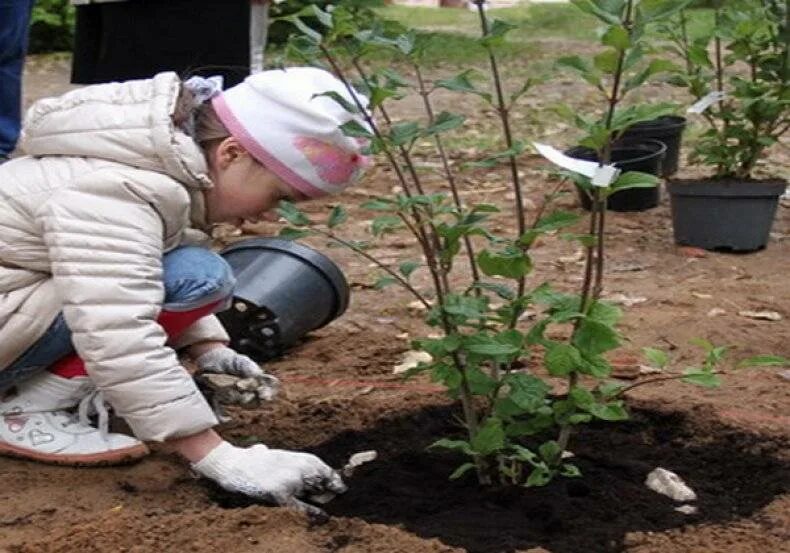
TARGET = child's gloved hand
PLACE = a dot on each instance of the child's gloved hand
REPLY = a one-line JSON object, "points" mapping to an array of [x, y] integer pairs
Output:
{"points": [[276, 476], [230, 378], [223, 360]]}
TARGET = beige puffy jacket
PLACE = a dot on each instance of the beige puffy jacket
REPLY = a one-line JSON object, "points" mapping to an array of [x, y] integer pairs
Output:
{"points": [[108, 185]]}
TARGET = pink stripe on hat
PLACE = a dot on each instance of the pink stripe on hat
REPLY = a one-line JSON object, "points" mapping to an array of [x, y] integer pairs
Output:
{"points": [[260, 153]]}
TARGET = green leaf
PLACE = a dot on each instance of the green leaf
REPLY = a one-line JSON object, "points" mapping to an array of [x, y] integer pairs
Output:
{"points": [[656, 357], [613, 411], [528, 392], [462, 83], [290, 233], [516, 150], [460, 471], [489, 438], [447, 375], [570, 471], [408, 267], [605, 313], [550, 452], [481, 344], [510, 263], [480, 384], [444, 122], [650, 11], [540, 476], [595, 338], [355, 129], [705, 379], [607, 61], [764, 361], [340, 99], [380, 204], [562, 359], [617, 37], [309, 33], [605, 11], [501, 290], [292, 214], [496, 33], [635, 179], [404, 133], [384, 224], [337, 216], [384, 281], [582, 397], [456, 445], [579, 65]]}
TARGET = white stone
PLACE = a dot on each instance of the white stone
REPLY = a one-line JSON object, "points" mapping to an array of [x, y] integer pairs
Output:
{"points": [[669, 484]]}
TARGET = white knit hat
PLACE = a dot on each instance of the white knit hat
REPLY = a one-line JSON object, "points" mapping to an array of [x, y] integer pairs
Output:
{"points": [[278, 118]]}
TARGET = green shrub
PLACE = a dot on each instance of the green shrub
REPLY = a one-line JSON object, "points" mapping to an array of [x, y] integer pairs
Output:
{"points": [[51, 26]]}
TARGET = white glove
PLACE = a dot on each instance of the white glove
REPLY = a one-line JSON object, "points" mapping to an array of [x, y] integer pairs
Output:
{"points": [[273, 475], [224, 360]]}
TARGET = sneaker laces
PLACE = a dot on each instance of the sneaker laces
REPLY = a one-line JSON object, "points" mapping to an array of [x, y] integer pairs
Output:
{"points": [[92, 403]]}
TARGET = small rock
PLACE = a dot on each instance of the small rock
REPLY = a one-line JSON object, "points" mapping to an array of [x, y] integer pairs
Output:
{"points": [[692, 252], [761, 315], [647, 370], [416, 305], [628, 301], [625, 367], [701, 296], [410, 360], [669, 484], [402, 336], [687, 509], [784, 375], [716, 312]]}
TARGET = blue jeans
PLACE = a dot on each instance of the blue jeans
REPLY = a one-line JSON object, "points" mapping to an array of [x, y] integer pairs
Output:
{"points": [[14, 25], [193, 278]]}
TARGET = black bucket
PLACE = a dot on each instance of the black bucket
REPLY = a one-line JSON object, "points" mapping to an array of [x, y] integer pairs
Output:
{"points": [[667, 129], [724, 215], [284, 290], [645, 156]]}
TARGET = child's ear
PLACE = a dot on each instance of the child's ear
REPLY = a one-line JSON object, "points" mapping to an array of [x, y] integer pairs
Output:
{"points": [[228, 151]]}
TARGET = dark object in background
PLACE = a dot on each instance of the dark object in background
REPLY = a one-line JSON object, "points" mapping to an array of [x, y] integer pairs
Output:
{"points": [[667, 129], [283, 291], [725, 214], [135, 39], [646, 157]]}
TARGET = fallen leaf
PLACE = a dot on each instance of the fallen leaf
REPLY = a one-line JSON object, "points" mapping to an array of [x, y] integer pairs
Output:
{"points": [[647, 369], [702, 296], [416, 305], [410, 360], [761, 315], [575, 258], [784, 375], [403, 336], [687, 509], [716, 312]]}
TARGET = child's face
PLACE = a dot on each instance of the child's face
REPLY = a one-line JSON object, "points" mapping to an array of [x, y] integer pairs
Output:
{"points": [[243, 188]]}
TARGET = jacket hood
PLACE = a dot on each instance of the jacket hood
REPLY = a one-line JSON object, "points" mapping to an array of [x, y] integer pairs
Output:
{"points": [[128, 122]]}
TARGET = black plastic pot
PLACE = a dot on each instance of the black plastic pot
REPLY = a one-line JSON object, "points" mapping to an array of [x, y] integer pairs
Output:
{"points": [[728, 215], [646, 157], [284, 290], [667, 129]]}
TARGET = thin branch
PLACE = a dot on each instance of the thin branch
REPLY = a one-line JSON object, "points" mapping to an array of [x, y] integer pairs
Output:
{"points": [[359, 251], [654, 380]]}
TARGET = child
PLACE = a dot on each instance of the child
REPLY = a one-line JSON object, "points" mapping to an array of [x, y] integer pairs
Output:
{"points": [[102, 280]]}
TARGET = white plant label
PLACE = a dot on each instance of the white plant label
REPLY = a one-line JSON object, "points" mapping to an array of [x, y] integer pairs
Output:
{"points": [[706, 101], [601, 175]]}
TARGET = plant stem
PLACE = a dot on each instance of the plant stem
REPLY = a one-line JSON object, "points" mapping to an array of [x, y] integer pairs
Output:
{"points": [[503, 111], [429, 257], [359, 251], [654, 380], [566, 429], [685, 42], [424, 93]]}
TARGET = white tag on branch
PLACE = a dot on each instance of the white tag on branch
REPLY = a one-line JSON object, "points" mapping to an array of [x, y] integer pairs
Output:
{"points": [[706, 101], [669, 484], [410, 360], [601, 175]]}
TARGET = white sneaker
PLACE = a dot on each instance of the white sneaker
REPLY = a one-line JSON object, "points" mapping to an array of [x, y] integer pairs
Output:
{"points": [[34, 425]]}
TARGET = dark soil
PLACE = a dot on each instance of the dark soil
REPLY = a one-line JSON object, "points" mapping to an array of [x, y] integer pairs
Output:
{"points": [[734, 473]]}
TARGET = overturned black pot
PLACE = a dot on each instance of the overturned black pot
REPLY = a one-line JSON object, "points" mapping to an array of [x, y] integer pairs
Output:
{"points": [[667, 129], [284, 290], [646, 157], [724, 214]]}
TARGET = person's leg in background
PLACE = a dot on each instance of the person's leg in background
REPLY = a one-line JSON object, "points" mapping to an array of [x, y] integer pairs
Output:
{"points": [[14, 27], [197, 283]]}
